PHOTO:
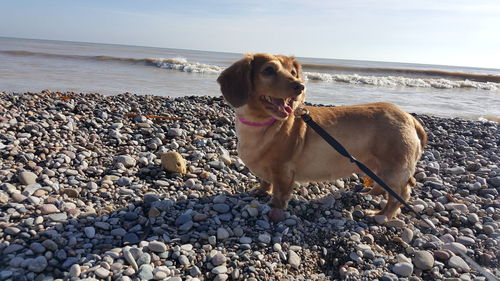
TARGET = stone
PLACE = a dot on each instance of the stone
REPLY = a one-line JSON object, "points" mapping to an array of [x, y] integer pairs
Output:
{"points": [[102, 272], [71, 192], [222, 233], [221, 208], [157, 246], [455, 248], [403, 269], [442, 255], [12, 230], [187, 226], [173, 162], [89, 232], [218, 259], [182, 219], [146, 272], [380, 219], [75, 270], [458, 263], [407, 235], [293, 259], [127, 160], [423, 260], [465, 240], [46, 209], [183, 260], [219, 269], [38, 264], [245, 240], [397, 223], [58, 217], [265, 238], [130, 258], [27, 178]]}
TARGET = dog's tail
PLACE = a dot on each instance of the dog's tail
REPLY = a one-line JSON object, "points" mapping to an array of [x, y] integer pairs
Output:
{"points": [[422, 135]]}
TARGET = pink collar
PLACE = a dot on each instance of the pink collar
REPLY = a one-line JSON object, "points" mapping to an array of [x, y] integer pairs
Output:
{"points": [[255, 124]]}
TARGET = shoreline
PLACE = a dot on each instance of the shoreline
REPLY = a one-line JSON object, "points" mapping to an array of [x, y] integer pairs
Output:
{"points": [[71, 207]]}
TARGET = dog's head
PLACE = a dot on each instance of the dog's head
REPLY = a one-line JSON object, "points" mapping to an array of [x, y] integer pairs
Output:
{"points": [[264, 83]]}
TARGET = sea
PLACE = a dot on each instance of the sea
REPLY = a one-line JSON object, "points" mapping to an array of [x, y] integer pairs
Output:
{"points": [[28, 65]]}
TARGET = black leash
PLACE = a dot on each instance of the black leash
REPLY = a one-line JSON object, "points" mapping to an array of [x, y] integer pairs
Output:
{"points": [[304, 114]]}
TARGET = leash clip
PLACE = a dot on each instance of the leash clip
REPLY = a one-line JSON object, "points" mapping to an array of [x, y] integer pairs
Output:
{"points": [[300, 111]]}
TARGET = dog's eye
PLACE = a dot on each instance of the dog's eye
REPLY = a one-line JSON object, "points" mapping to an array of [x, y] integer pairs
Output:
{"points": [[269, 71], [293, 72]]}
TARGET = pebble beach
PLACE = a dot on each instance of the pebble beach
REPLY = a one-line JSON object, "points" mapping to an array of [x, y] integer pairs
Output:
{"points": [[84, 196]]}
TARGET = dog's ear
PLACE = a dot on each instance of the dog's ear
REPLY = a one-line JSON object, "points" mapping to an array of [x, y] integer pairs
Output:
{"points": [[236, 81], [298, 67]]}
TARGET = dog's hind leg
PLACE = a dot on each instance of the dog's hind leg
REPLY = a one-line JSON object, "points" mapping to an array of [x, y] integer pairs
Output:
{"points": [[393, 205]]}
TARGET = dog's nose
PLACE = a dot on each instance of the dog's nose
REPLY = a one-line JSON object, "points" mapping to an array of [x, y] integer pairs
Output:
{"points": [[298, 87]]}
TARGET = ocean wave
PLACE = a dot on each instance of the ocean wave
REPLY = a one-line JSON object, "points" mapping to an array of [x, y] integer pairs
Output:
{"points": [[462, 80], [400, 81], [181, 64], [388, 71]]}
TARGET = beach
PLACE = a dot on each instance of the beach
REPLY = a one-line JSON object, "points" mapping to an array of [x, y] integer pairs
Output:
{"points": [[83, 195]]}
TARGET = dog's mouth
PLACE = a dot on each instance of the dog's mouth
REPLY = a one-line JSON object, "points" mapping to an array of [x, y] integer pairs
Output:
{"points": [[281, 107]]}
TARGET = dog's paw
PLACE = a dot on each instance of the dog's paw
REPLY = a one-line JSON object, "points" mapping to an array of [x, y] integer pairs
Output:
{"points": [[371, 213], [276, 215], [259, 192]]}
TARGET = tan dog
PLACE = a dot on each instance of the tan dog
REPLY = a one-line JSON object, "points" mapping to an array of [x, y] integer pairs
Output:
{"points": [[265, 89]]}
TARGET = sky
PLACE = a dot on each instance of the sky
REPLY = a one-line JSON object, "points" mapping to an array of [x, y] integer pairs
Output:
{"points": [[462, 32]]}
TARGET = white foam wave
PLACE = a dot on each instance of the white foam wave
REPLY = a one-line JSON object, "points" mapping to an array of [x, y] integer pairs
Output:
{"points": [[183, 65], [399, 81]]}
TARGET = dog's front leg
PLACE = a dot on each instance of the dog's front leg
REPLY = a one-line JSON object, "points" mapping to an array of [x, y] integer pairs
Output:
{"points": [[282, 190]]}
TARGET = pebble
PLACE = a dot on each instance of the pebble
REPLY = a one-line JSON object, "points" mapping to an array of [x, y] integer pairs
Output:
{"points": [[102, 272], [221, 208], [157, 246], [293, 259], [455, 247], [219, 269], [423, 260], [218, 259], [458, 263], [38, 264], [75, 270], [27, 178], [265, 238], [222, 233], [89, 232], [404, 269]]}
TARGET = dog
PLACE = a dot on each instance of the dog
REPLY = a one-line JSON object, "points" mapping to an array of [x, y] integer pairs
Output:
{"points": [[277, 147]]}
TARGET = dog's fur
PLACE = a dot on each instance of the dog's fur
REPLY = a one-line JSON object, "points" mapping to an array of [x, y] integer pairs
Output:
{"points": [[382, 136]]}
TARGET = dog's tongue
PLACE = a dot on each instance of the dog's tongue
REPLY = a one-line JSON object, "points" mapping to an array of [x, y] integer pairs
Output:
{"points": [[282, 107]]}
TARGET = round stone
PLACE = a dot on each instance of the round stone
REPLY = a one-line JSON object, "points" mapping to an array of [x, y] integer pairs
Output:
{"points": [[38, 264], [46, 209], [219, 269], [157, 246], [222, 233], [403, 269], [218, 259], [293, 259], [265, 238], [89, 232], [458, 263], [27, 178], [423, 260], [221, 207]]}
